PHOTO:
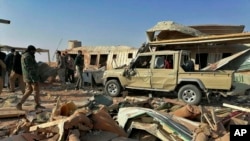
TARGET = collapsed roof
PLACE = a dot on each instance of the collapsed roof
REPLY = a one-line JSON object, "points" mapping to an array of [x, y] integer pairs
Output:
{"points": [[171, 30], [171, 33]]}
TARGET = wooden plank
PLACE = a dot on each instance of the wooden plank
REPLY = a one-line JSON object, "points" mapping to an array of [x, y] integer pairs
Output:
{"points": [[48, 124], [236, 107], [11, 113]]}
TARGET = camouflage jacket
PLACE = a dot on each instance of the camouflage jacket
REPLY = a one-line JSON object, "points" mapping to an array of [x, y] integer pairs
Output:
{"points": [[29, 68]]}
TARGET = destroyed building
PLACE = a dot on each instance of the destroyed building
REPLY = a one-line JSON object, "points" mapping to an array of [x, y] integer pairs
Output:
{"points": [[207, 43], [99, 56]]}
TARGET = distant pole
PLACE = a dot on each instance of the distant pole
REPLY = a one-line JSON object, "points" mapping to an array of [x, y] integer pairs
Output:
{"points": [[57, 48], [4, 21]]}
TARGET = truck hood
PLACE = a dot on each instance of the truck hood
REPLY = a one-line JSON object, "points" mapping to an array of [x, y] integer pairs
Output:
{"points": [[239, 62]]}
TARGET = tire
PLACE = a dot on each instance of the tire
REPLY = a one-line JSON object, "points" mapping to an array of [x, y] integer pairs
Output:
{"points": [[113, 88], [190, 94]]}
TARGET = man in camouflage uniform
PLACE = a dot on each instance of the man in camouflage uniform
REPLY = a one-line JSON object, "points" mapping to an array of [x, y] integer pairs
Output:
{"points": [[79, 63], [61, 65], [30, 77]]}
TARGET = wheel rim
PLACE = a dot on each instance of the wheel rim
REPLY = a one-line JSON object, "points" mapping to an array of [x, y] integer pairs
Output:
{"points": [[112, 89], [189, 96]]}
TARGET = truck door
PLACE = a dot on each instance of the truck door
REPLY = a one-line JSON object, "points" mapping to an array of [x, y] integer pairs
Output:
{"points": [[142, 69], [164, 72]]}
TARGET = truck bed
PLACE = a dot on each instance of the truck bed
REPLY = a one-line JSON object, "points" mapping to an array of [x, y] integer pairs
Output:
{"points": [[221, 80]]}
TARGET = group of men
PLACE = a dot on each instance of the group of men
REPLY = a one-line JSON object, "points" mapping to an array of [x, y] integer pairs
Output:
{"points": [[11, 67], [66, 66], [25, 68]]}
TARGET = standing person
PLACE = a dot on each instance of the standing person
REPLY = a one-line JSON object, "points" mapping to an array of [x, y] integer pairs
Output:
{"points": [[30, 77], [3, 71], [16, 73], [66, 56], [2, 67], [71, 69], [9, 63], [79, 63], [61, 65]]}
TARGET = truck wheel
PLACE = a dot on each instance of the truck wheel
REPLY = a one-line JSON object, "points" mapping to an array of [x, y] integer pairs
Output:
{"points": [[190, 94], [113, 88]]}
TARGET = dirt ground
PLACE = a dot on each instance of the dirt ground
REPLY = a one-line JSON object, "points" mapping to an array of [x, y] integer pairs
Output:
{"points": [[48, 94]]}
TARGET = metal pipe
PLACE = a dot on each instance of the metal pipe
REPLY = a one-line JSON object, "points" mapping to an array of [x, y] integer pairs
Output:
{"points": [[4, 21]]}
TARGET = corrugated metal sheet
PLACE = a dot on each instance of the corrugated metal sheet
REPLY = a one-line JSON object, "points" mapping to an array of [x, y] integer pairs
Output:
{"points": [[121, 59]]}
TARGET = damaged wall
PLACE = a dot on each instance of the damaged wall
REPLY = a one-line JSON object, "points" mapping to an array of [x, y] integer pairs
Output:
{"points": [[109, 56]]}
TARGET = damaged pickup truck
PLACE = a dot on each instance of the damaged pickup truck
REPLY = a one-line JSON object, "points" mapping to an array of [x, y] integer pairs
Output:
{"points": [[168, 71]]}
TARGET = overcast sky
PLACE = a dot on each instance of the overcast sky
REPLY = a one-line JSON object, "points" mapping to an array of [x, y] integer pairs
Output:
{"points": [[50, 24]]}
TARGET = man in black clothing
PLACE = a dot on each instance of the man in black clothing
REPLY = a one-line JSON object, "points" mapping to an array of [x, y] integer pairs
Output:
{"points": [[16, 73], [9, 62], [3, 71], [2, 55], [2, 67]]}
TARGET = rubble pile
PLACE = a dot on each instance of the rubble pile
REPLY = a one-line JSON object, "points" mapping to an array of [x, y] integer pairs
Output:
{"points": [[128, 119]]}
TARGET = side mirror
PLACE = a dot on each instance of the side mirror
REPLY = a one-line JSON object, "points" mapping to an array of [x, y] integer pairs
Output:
{"points": [[129, 72]]}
